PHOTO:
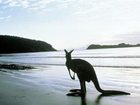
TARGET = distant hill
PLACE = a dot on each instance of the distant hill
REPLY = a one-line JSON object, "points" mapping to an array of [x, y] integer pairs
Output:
{"points": [[13, 44], [97, 46]]}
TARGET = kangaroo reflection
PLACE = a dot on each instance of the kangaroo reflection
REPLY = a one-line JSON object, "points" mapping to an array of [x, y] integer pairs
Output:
{"points": [[97, 100]]}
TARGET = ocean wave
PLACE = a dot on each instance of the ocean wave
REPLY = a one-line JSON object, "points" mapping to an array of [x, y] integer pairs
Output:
{"points": [[89, 57], [106, 66]]}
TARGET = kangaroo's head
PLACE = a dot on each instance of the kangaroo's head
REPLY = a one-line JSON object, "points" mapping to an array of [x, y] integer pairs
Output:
{"points": [[68, 54]]}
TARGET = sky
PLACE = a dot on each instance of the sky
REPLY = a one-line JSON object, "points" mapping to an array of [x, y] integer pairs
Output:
{"points": [[72, 23]]}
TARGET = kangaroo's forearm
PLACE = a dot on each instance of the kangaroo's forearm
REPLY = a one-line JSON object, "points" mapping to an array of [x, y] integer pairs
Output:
{"points": [[71, 76]]}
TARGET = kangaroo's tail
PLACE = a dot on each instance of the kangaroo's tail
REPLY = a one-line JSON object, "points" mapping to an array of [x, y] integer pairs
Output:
{"points": [[114, 92], [105, 92]]}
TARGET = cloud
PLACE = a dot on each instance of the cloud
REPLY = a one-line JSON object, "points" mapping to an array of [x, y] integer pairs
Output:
{"points": [[17, 3], [131, 38], [78, 6], [11, 3], [50, 4], [34, 3], [24, 3], [5, 18]]}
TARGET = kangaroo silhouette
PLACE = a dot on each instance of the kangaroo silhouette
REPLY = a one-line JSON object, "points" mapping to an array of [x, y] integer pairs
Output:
{"points": [[85, 73]]}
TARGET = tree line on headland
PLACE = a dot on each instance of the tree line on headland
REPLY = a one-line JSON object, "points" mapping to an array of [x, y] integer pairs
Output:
{"points": [[121, 45], [13, 44]]}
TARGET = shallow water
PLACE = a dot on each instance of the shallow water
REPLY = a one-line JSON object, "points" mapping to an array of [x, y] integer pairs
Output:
{"points": [[117, 69], [118, 57]]}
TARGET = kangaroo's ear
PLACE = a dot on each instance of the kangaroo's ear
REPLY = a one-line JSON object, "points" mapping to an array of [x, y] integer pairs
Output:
{"points": [[65, 51], [71, 51]]}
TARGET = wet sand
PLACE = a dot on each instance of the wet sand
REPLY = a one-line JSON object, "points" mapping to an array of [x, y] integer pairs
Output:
{"points": [[49, 86]]}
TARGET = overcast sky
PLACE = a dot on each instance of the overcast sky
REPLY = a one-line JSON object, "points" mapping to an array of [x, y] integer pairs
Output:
{"points": [[72, 23]]}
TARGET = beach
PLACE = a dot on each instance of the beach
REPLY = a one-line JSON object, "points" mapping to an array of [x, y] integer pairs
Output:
{"points": [[49, 83], [44, 87]]}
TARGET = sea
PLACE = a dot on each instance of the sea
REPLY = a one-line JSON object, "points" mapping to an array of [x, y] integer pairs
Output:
{"points": [[116, 68], [111, 57]]}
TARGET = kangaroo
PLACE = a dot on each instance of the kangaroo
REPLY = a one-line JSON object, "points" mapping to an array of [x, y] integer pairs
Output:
{"points": [[85, 73]]}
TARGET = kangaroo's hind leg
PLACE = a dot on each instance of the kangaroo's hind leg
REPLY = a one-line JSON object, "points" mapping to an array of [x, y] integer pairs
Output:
{"points": [[83, 87], [79, 92]]}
